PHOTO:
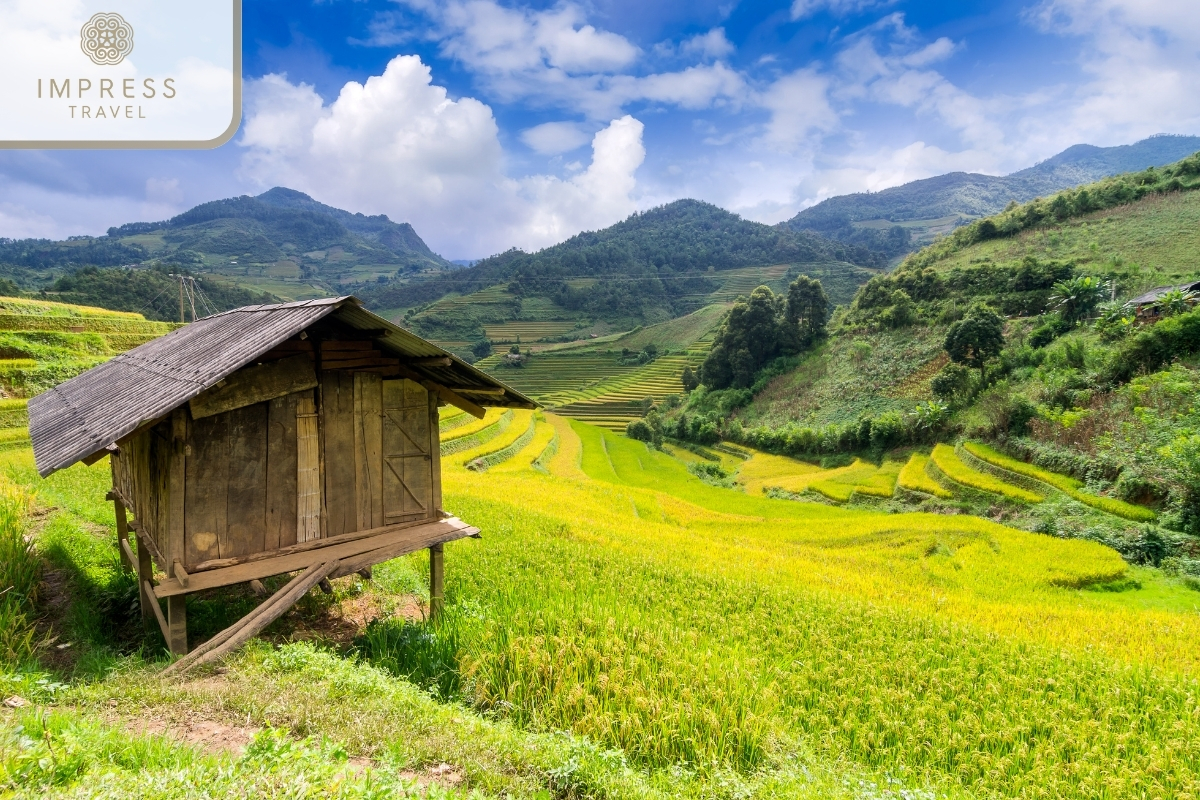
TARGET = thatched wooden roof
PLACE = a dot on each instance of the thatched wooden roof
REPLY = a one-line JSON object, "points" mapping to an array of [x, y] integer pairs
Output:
{"points": [[82, 417]]}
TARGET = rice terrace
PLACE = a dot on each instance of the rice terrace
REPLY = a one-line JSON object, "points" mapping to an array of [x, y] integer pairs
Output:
{"points": [[626, 401]]}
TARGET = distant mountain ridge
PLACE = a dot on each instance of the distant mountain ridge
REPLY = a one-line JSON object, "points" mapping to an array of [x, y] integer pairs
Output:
{"points": [[937, 205], [659, 250]]}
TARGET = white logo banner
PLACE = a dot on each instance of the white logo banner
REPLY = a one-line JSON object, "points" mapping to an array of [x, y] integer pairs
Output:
{"points": [[120, 73]]}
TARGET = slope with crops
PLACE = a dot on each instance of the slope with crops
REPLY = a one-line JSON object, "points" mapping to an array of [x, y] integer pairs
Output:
{"points": [[597, 641], [1016, 334]]}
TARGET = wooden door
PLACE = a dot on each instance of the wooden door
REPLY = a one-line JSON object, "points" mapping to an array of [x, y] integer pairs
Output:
{"points": [[408, 478]]}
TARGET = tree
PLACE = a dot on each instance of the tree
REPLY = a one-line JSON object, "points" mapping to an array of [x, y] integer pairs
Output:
{"points": [[754, 332], [689, 379], [482, 348], [976, 337], [807, 307]]}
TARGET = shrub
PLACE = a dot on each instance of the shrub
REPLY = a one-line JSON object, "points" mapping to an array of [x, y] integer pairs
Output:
{"points": [[1155, 346], [639, 429]]}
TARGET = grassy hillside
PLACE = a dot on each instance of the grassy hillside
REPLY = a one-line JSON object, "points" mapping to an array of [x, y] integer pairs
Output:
{"points": [[596, 643], [1090, 395], [922, 210], [43, 343]]}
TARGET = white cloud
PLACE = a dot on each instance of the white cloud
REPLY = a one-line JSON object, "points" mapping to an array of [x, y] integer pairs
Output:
{"points": [[799, 106], [399, 145], [1143, 61], [839, 8], [553, 138], [708, 45], [595, 198], [554, 58]]}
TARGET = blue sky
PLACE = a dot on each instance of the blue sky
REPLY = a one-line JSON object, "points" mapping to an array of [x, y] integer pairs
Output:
{"points": [[496, 123]]}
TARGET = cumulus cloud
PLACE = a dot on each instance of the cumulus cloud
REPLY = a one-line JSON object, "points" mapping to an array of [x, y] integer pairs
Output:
{"points": [[398, 144], [708, 45], [799, 106], [555, 58], [553, 138], [1143, 60]]}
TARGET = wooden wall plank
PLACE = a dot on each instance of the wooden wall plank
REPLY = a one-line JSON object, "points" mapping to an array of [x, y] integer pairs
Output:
{"points": [[257, 384], [160, 489], [179, 437], [282, 506], [368, 441], [207, 489], [308, 473], [337, 435], [246, 513]]}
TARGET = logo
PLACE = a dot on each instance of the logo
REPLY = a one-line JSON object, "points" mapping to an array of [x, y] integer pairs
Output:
{"points": [[106, 39]]}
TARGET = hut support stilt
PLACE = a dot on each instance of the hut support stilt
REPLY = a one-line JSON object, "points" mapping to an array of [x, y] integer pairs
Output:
{"points": [[437, 582], [177, 625]]}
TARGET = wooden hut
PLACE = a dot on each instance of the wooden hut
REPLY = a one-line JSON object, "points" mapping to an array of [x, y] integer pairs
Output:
{"points": [[267, 440]]}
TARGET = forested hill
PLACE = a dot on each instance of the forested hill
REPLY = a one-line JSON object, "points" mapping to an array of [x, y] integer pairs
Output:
{"points": [[242, 238], [936, 205], [671, 242]]}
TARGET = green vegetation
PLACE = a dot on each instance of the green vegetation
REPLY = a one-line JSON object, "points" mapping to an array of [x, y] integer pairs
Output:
{"points": [[762, 328], [594, 645], [640, 269], [153, 292]]}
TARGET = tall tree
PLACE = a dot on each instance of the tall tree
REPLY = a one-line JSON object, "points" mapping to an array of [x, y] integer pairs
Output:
{"points": [[807, 307]]}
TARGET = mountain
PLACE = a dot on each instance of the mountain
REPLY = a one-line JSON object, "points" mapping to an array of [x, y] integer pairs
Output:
{"points": [[636, 270], [895, 219], [282, 242]]}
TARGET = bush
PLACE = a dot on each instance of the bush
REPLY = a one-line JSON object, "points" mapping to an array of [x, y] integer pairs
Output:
{"points": [[953, 382], [639, 429], [1154, 347], [976, 337]]}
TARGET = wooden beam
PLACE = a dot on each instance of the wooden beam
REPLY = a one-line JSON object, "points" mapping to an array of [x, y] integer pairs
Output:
{"points": [[179, 572], [128, 562], [357, 363], [176, 547], [338, 345], [410, 540], [224, 636], [435, 361], [127, 556], [148, 591], [486, 390], [364, 561], [256, 385], [220, 563], [146, 598]]}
